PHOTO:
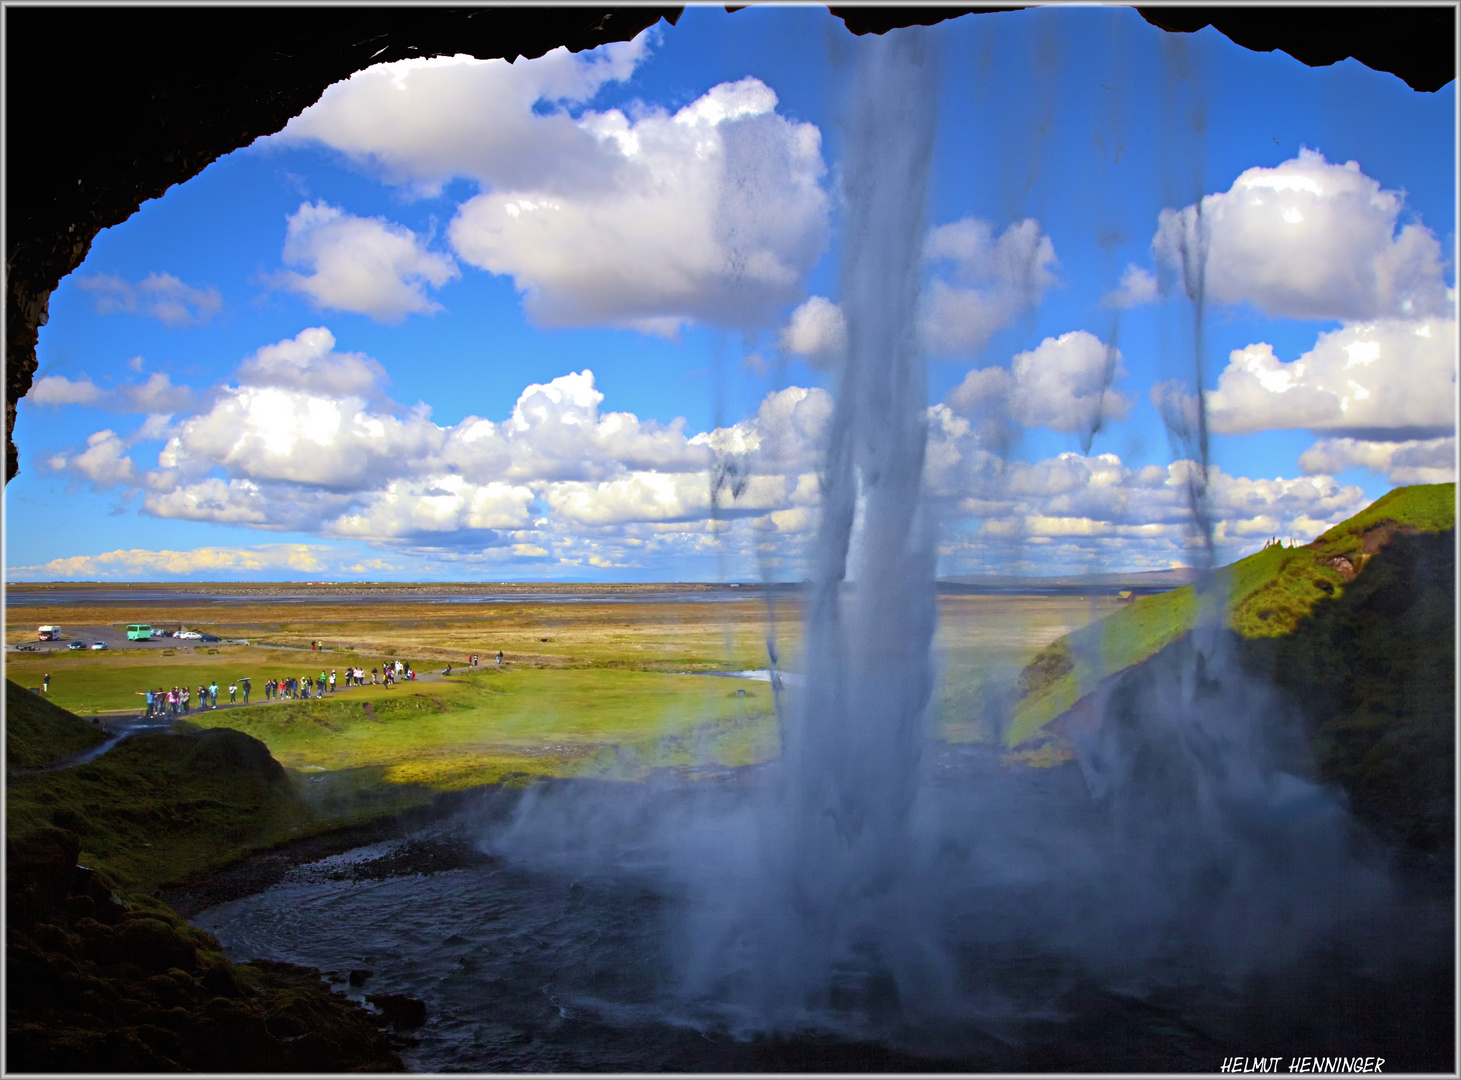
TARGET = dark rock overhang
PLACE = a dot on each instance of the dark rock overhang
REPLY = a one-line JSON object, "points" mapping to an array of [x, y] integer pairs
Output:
{"points": [[107, 107]]}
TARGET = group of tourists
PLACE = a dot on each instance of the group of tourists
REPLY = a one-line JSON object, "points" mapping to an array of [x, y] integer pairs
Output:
{"points": [[179, 700], [390, 672], [301, 688]]}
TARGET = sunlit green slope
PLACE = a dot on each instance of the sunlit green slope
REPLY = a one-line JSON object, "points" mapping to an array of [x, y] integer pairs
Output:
{"points": [[1266, 595]]}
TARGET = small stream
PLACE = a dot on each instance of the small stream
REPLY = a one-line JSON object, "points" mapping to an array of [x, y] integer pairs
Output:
{"points": [[117, 732]]}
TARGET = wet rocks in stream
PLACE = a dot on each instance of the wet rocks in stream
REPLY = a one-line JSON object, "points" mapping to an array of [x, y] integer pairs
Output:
{"points": [[418, 855]]}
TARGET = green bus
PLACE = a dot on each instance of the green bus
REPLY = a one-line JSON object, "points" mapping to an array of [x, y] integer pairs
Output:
{"points": [[139, 632]]}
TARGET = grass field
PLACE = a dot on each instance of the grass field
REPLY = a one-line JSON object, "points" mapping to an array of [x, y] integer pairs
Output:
{"points": [[587, 688]]}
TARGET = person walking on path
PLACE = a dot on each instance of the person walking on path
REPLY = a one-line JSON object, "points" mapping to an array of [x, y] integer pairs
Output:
{"points": [[46, 683], [232, 687], [332, 681], [213, 695], [245, 684], [499, 657]]}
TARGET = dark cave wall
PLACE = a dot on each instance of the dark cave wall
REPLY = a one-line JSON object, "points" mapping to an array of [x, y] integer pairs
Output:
{"points": [[109, 107]]}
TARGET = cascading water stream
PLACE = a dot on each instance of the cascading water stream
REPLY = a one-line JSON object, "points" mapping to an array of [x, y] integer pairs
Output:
{"points": [[834, 828]]}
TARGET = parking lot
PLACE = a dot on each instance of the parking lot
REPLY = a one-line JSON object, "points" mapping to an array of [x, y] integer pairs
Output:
{"points": [[114, 636]]}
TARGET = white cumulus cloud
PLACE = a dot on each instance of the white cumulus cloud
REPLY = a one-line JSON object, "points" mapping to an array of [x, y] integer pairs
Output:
{"points": [[366, 265], [1306, 239], [1137, 287], [56, 390], [994, 281], [298, 444], [713, 214], [104, 462], [308, 361], [147, 565], [436, 508], [156, 394], [817, 331], [1079, 511], [1388, 376], [1063, 384], [648, 219], [421, 123]]}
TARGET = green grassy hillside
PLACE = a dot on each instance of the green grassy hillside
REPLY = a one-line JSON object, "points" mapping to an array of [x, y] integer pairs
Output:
{"points": [[38, 732], [1267, 595]]}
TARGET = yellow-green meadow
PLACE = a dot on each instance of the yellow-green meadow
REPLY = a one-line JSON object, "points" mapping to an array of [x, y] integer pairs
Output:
{"points": [[608, 687]]}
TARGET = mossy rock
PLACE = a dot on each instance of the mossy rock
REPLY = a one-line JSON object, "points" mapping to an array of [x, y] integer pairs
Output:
{"points": [[148, 993], [223, 750]]}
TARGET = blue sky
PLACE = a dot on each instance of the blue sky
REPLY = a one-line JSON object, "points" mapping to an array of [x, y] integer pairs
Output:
{"points": [[359, 349]]}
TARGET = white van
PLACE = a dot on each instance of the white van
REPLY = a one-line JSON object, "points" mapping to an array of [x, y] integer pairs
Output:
{"points": [[49, 633]]}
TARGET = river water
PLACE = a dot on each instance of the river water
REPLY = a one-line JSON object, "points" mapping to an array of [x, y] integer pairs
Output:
{"points": [[553, 931]]}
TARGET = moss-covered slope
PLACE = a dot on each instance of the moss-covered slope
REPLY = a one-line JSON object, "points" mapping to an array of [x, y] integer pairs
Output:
{"points": [[103, 977], [1373, 673], [1267, 595]]}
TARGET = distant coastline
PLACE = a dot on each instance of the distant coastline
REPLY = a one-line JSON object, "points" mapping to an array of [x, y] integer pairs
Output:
{"points": [[25, 593]]}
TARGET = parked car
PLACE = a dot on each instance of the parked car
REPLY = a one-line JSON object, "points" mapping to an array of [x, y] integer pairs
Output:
{"points": [[188, 634], [76, 645], [98, 644], [209, 637]]}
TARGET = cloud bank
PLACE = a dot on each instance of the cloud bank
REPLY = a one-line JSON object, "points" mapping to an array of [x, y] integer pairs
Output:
{"points": [[160, 296], [303, 438], [645, 219]]}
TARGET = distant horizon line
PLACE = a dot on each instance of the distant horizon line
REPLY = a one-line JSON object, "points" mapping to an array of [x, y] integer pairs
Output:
{"points": [[953, 579]]}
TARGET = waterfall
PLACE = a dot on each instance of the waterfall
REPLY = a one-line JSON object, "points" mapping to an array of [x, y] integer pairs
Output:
{"points": [[835, 829]]}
